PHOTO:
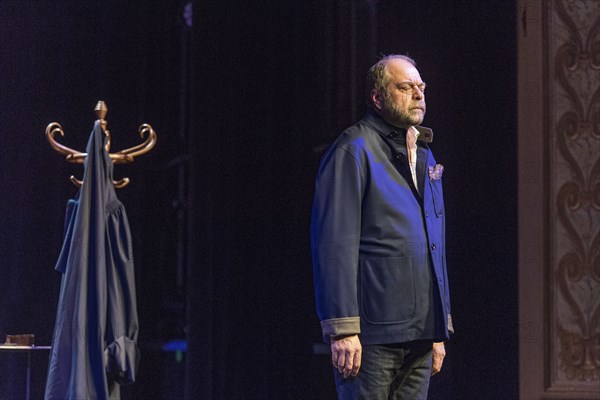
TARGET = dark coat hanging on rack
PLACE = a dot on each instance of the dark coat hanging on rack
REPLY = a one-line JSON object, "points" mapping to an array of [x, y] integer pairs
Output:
{"points": [[94, 347]]}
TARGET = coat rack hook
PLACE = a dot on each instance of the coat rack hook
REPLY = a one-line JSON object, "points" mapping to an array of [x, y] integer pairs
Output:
{"points": [[120, 157]]}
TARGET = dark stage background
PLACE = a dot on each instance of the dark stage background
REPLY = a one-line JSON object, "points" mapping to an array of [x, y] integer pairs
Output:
{"points": [[244, 103]]}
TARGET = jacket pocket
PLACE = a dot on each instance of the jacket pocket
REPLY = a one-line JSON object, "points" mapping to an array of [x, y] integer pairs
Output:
{"points": [[387, 290]]}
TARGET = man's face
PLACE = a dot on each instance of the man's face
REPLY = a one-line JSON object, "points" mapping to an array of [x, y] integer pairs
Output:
{"points": [[403, 102]]}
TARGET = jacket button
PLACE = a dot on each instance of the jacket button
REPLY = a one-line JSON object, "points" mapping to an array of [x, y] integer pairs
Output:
{"points": [[393, 134], [433, 246], [399, 156], [426, 215]]}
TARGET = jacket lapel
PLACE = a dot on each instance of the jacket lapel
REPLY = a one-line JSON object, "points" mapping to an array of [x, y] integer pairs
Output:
{"points": [[401, 164], [422, 155], [400, 160]]}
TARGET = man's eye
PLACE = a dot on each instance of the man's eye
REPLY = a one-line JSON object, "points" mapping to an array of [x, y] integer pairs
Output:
{"points": [[405, 88]]}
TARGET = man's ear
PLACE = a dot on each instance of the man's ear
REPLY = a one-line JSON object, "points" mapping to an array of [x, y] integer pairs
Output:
{"points": [[376, 99]]}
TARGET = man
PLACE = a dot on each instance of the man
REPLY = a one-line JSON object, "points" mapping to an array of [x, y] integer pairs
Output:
{"points": [[378, 243]]}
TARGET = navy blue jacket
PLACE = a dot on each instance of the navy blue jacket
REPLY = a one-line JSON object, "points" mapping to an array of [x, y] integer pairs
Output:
{"points": [[94, 347], [378, 242]]}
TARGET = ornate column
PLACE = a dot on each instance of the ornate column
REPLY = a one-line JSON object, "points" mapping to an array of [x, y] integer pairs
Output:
{"points": [[559, 198], [574, 206]]}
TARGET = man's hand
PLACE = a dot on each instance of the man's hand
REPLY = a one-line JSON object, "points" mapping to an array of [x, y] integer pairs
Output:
{"points": [[346, 355], [439, 352]]}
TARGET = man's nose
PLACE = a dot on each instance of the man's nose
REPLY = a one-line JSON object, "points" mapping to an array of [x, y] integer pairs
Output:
{"points": [[418, 94]]}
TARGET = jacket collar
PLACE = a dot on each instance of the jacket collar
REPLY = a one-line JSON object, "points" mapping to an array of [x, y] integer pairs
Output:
{"points": [[390, 131]]}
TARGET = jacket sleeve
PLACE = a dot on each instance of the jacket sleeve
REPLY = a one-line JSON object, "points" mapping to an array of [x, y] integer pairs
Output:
{"points": [[335, 238]]}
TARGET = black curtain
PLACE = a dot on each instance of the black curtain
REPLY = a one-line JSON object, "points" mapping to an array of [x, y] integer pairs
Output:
{"points": [[253, 128], [244, 103]]}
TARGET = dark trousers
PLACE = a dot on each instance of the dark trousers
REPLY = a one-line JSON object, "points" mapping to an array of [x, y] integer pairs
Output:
{"points": [[389, 372]]}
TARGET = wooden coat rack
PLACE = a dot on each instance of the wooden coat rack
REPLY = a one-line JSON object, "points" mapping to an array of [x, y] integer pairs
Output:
{"points": [[120, 157]]}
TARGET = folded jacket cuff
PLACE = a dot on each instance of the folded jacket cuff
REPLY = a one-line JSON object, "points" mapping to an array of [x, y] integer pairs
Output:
{"points": [[340, 326]]}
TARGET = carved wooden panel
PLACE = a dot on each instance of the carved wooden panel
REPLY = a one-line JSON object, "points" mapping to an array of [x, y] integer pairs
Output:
{"points": [[573, 291]]}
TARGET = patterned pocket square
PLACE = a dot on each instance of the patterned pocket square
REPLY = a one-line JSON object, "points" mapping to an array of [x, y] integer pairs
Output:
{"points": [[436, 172]]}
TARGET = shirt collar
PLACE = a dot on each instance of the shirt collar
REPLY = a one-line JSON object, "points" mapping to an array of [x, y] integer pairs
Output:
{"points": [[390, 131], [416, 131]]}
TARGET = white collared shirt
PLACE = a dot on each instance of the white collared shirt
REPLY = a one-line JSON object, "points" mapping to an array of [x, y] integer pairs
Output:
{"points": [[413, 158]]}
